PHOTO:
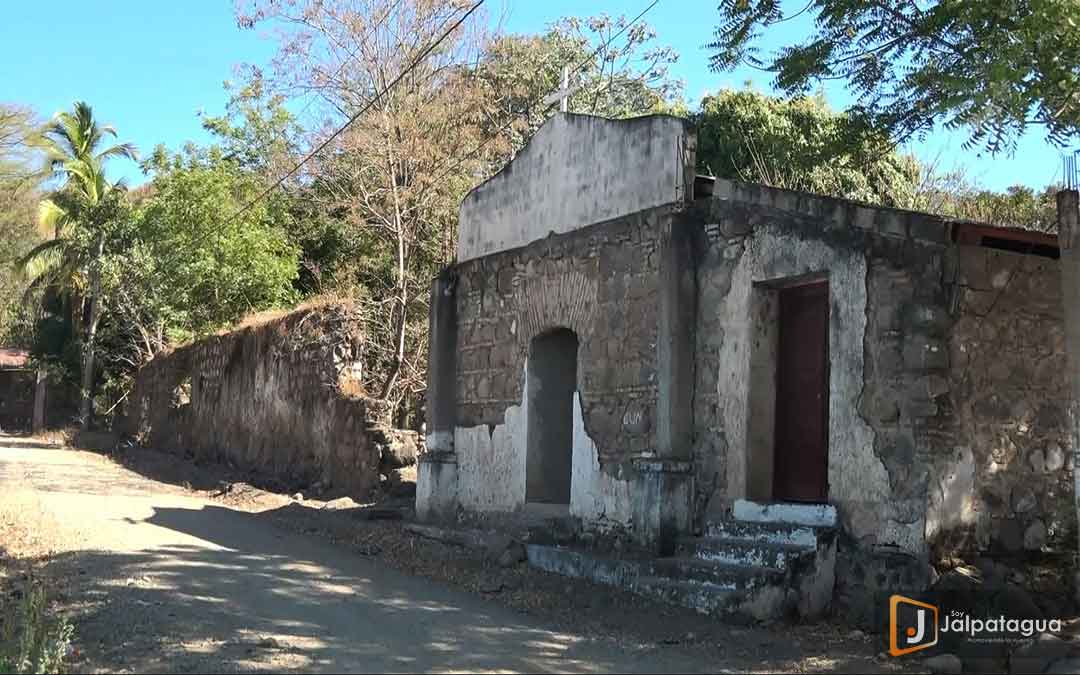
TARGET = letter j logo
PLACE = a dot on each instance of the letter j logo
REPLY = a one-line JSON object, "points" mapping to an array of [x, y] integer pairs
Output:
{"points": [[913, 625]]}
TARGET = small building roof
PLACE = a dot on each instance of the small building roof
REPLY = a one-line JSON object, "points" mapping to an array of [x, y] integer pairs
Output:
{"points": [[13, 359]]}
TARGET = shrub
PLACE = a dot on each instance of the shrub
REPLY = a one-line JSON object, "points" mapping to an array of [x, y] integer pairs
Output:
{"points": [[32, 641]]}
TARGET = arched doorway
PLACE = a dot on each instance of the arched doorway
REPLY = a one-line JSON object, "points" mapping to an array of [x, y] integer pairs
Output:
{"points": [[552, 382]]}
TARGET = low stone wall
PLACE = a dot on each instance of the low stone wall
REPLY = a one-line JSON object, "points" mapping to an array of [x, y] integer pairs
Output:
{"points": [[281, 398]]}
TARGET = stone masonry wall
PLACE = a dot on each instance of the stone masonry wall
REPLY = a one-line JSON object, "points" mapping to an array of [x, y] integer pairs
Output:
{"points": [[887, 272], [280, 398], [1008, 489], [961, 383], [601, 283]]}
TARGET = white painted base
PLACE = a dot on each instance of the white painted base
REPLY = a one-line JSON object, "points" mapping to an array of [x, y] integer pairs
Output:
{"points": [[813, 515]]}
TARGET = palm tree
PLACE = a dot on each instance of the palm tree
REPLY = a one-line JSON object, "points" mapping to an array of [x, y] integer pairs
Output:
{"points": [[78, 214]]}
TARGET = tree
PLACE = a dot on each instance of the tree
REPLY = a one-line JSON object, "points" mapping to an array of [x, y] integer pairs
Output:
{"points": [[618, 70], [993, 67], [192, 260], [83, 213], [396, 174], [800, 144], [21, 175], [952, 194], [262, 138]]}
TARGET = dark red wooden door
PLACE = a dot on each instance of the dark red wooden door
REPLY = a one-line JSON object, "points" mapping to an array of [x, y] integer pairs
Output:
{"points": [[800, 467]]}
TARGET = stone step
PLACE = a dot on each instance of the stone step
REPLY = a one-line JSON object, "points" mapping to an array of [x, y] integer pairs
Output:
{"points": [[703, 597], [705, 586], [731, 577], [773, 533], [579, 564], [747, 552]]}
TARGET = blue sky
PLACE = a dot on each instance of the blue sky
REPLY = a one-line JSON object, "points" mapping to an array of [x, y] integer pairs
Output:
{"points": [[149, 67]]}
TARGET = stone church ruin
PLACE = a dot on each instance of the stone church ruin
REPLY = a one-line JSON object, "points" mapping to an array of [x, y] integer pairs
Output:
{"points": [[787, 401]]}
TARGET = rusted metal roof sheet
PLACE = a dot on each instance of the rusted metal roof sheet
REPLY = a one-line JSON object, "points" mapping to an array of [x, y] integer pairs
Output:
{"points": [[13, 359]]}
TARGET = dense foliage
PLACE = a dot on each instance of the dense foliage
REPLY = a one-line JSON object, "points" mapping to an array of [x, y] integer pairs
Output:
{"points": [[800, 144], [992, 67], [99, 279], [20, 191]]}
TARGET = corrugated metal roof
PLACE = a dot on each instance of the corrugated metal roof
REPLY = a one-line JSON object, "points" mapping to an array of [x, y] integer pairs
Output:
{"points": [[13, 358]]}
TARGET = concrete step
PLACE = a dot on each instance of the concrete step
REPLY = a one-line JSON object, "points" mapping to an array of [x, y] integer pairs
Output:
{"points": [[774, 533], [747, 552], [813, 515]]}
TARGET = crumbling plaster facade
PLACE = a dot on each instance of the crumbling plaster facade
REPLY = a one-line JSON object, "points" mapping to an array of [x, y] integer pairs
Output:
{"points": [[947, 386]]}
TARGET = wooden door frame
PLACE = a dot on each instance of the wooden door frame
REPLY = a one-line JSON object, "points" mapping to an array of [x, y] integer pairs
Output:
{"points": [[786, 285]]}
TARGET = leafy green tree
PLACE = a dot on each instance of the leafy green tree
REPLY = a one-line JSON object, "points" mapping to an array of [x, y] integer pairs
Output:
{"points": [[953, 195], [259, 135], [194, 259], [21, 176], [83, 214], [616, 72], [993, 67], [800, 144]]}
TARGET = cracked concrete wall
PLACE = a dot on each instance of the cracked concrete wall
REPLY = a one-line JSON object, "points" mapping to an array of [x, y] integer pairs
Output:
{"points": [[1008, 487], [578, 170], [601, 282]]}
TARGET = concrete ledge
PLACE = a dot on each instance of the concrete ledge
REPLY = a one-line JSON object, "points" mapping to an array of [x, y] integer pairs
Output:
{"points": [[436, 487], [813, 515], [656, 465]]}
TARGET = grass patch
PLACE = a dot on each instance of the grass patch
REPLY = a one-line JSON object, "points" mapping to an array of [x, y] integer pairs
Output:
{"points": [[32, 641]]}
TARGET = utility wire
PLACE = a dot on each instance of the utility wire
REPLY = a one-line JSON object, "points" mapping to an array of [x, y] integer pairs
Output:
{"points": [[578, 68], [282, 134], [340, 130], [352, 57]]}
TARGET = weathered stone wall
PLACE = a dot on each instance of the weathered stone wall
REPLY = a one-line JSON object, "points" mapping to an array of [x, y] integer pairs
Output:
{"points": [[885, 271], [16, 399], [601, 283], [281, 398], [1007, 488], [947, 425]]}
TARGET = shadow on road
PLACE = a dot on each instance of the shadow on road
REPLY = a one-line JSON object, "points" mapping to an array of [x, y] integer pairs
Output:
{"points": [[212, 605], [216, 605]]}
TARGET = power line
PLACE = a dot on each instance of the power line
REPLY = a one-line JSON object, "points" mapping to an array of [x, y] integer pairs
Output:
{"points": [[282, 134], [412, 66], [370, 31], [580, 66]]}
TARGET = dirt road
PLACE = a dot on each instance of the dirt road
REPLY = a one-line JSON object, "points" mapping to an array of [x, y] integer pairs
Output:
{"points": [[160, 580]]}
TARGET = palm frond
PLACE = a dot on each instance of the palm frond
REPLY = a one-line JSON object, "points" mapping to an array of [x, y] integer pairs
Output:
{"points": [[43, 257], [53, 218], [127, 150]]}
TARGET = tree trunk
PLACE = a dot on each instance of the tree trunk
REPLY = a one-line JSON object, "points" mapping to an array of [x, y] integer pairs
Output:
{"points": [[37, 424], [86, 404], [400, 278]]}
